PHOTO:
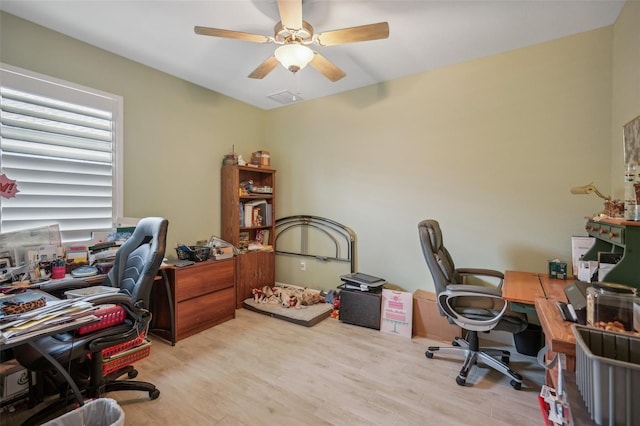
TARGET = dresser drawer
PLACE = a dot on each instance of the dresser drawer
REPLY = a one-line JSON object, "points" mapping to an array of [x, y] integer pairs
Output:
{"points": [[616, 234], [198, 280], [201, 313], [593, 229], [606, 232]]}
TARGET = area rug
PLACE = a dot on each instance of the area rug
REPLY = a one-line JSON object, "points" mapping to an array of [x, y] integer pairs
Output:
{"points": [[307, 316]]}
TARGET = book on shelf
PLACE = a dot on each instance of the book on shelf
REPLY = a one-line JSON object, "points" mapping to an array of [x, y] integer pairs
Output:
{"points": [[254, 213]]}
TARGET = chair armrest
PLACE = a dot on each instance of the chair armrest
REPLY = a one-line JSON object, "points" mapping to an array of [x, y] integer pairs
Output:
{"points": [[461, 291], [141, 317], [478, 290], [480, 272], [104, 342]]}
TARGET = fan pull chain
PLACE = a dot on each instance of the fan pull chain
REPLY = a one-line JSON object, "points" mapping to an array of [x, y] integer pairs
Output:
{"points": [[297, 84]]}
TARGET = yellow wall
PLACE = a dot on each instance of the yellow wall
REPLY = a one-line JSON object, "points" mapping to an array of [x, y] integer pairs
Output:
{"points": [[626, 86], [176, 133], [489, 147]]}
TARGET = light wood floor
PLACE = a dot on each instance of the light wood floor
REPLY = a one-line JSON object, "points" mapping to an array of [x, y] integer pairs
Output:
{"points": [[257, 370]]}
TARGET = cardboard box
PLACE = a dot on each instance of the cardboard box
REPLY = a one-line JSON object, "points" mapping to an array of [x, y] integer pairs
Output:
{"points": [[14, 380], [261, 158], [427, 321]]}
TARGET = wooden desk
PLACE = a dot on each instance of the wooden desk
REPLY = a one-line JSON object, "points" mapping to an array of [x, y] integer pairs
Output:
{"points": [[526, 287], [542, 292], [558, 337], [522, 287]]}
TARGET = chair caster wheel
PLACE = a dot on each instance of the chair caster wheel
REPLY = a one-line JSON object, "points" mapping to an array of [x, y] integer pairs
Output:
{"points": [[428, 354], [516, 385], [455, 343], [461, 381], [132, 374], [154, 394]]}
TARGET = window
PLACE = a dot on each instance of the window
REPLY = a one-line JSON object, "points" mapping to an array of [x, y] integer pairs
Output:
{"points": [[62, 144]]}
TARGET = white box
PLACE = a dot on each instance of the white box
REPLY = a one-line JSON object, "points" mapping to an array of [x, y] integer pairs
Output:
{"points": [[14, 380]]}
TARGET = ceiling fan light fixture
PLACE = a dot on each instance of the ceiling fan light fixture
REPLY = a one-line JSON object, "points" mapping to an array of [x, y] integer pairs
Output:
{"points": [[294, 56]]}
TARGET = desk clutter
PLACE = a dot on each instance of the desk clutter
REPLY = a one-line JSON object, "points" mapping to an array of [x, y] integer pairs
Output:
{"points": [[40, 312], [38, 255], [608, 306], [215, 249]]}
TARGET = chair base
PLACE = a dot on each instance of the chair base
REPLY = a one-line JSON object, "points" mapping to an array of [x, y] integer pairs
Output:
{"points": [[471, 353]]}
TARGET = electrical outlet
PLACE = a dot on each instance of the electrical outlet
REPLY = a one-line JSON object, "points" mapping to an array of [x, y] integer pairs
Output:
{"points": [[303, 266]]}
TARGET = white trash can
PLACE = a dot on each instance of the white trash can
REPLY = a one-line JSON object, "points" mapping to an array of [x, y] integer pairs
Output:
{"points": [[99, 412]]}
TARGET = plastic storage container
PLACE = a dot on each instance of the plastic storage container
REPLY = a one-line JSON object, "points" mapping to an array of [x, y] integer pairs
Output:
{"points": [[608, 375], [611, 306]]}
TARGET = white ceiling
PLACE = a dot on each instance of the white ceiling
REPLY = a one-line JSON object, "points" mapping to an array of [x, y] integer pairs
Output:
{"points": [[424, 35]]}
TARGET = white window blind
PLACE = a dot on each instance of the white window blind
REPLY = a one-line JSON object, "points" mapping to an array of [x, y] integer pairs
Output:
{"points": [[61, 143]]}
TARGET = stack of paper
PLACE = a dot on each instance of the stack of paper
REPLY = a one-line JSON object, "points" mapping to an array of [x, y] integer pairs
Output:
{"points": [[54, 313]]}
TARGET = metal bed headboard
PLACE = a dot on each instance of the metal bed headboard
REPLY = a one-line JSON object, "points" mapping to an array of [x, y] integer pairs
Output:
{"points": [[340, 235]]}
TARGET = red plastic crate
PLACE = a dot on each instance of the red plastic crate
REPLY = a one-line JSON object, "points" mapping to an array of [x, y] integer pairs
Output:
{"points": [[109, 316], [116, 349], [126, 358]]}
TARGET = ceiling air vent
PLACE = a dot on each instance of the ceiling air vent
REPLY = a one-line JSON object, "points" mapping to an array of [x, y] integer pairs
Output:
{"points": [[285, 97]]}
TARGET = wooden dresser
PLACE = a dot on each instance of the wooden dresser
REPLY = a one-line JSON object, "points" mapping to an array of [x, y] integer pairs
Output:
{"points": [[202, 295]]}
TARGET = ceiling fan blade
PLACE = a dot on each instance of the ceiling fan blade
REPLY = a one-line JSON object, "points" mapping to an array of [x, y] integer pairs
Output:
{"points": [[215, 32], [326, 68], [290, 13], [264, 68], [354, 34]]}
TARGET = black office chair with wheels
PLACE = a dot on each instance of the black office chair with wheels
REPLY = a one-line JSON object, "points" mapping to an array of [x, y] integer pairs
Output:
{"points": [[135, 268], [475, 308]]}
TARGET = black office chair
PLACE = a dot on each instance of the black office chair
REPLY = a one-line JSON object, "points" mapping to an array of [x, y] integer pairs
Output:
{"points": [[472, 307], [135, 268]]}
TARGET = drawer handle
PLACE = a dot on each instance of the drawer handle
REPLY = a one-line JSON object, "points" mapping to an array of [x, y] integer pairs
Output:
{"points": [[612, 234], [602, 231]]}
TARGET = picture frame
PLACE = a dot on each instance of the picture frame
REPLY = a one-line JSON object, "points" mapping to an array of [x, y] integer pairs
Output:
{"points": [[631, 138]]}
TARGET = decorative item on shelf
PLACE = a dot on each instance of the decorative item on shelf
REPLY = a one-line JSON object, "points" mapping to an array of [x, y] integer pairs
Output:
{"points": [[230, 159], [631, 133], [631, 200], [261, 158], [246, 186], [591, 189], [614, 208]]}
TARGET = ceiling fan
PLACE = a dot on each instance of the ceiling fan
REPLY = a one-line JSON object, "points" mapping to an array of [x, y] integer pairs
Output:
{"points": [[294, 35]]}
